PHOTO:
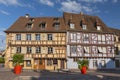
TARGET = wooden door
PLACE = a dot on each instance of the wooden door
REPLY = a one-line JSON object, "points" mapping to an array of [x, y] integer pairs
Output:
{"points": [[39, 63], [62, 64]]}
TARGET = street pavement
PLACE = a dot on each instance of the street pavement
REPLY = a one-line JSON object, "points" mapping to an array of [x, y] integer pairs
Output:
{"points": [[6, 74]]}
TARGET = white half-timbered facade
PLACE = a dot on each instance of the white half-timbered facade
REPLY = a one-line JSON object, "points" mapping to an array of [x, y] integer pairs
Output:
{"points": [[89, 39]]}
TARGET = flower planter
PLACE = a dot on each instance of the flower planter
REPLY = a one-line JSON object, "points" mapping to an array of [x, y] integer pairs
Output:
{"points": [[84, 70], [17, 69]]}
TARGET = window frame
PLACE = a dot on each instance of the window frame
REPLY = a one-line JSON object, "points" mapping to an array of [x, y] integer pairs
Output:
{"points": [[18, 37], [28, 37], [49, 37]]}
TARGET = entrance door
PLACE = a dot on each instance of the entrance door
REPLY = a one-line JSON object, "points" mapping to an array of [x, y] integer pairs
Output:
{"points": [[39, 63], [62, 64]]}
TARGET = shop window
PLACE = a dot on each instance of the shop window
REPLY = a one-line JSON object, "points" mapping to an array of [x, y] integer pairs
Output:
{"points": [[28, 63], [55, 62], [49, 62]]}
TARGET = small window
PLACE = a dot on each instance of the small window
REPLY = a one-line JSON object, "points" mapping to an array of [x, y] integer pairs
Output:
{"points": [[75, 59], [73, 49], [29, 26], [49, 36], [49, 62], [95, 65], [50, 50], [38, 49], [84, 27], [29, 50], [18, 49], [55, 62], [18, 36], [72, 26], [28, 63], [98, 27], [42, 25], [56, 26], [28, 36], [37, 36]]}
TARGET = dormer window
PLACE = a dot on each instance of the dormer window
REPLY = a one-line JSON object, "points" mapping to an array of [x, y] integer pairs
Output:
{"points": [[31, 20], [84, 27], [72, 26], [98, 27], [43, 25], [29, 26], [56, 26]]}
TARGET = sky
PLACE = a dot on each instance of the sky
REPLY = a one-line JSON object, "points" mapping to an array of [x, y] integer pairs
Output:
{"points": [[11, 10]]}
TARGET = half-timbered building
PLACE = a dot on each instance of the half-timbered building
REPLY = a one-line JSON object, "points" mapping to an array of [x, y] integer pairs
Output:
{"points": [[117, 47], [89, 38], [42, 40]]}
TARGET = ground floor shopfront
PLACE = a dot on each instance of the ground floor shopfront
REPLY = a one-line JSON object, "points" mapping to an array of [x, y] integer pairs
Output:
{"points": [[42, 63], [94, 63]]}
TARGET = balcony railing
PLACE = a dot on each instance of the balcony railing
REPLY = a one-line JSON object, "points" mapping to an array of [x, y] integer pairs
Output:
{"points": [[100, 55], [35, 42], [57, 55]]}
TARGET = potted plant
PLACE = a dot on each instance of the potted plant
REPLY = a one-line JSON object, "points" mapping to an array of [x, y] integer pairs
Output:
{"points": [[18, 59], [83, 65]]}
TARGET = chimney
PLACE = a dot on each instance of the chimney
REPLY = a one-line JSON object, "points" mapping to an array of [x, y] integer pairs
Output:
{"points": [[27, 15], [81, 13]]}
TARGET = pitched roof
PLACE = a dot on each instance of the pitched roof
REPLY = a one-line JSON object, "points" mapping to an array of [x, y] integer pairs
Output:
{"points": [[91, 21], [116, 31], [21, 24]]}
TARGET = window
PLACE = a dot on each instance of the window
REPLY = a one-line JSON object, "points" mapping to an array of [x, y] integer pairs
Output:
{"points": [[72, 26], [85, 37], [28, 63], [73, 36], [37, 36], [42, 25], [18, 36], [50, 50], [56, 26], [49, 36], [29, 50], [103, 65], [55, 62], [95, 65], [18, 50], [49, 62], [86, 49], [28, 37], [98, 27], [38, 49], [75, 59], [29, 26], [73, 49], [84, 27], [100, 50]]}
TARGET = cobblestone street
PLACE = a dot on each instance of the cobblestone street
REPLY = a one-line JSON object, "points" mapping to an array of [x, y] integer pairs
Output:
{"points": [[54, 75]]}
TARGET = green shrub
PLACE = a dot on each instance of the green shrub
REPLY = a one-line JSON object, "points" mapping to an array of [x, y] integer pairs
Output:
{"points": [[82, 63], [2, 60], [18, 59]]}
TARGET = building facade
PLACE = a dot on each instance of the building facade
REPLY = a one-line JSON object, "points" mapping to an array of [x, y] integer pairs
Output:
{"points": [[89, 38], [59, 42], [117, 47], [41, 40]]}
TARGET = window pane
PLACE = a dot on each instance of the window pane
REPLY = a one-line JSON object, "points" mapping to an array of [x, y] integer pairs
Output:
{"points": [[49, 36], [18, 36], [28, 37], [18, 50], [49, 62], [50, 50], [37, 36], [38, 49], [29, 50]]}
